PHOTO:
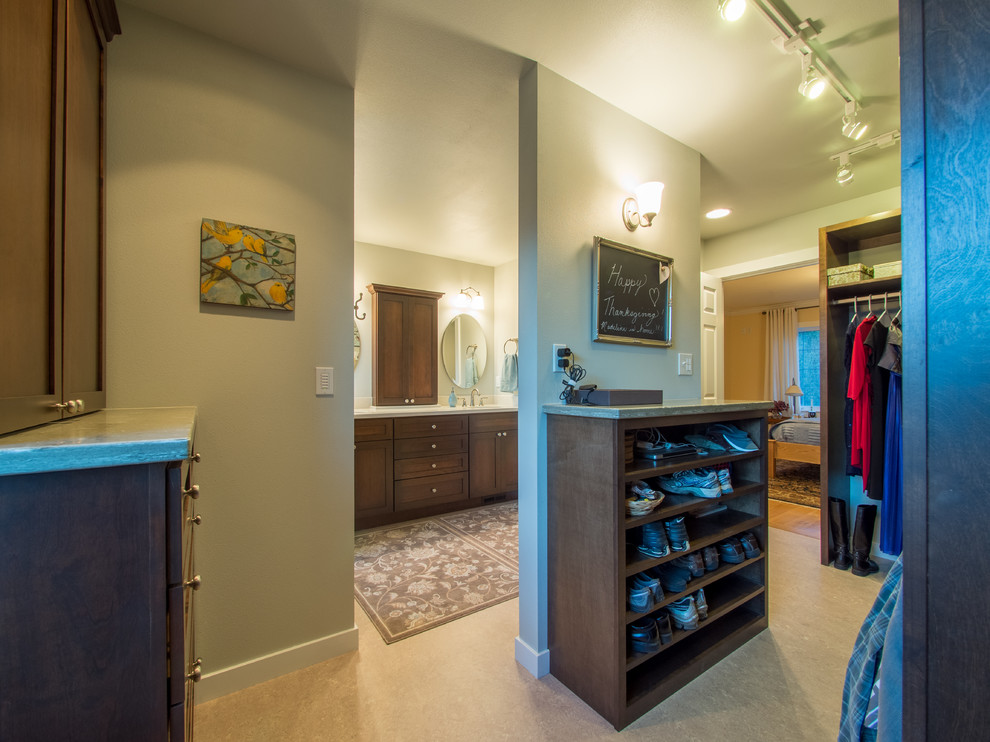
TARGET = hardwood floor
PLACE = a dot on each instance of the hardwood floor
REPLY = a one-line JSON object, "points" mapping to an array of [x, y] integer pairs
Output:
{"points": [[795, 518]]}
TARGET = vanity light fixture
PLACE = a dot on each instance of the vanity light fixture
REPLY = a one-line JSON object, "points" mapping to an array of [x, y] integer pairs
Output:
{"points": [[464, 299], [812, 83], [718, 213], [731, 10], [852, 127], [641, 209]]}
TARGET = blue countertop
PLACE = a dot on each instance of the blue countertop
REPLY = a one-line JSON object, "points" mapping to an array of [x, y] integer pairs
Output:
{"points": [[115, 437]]}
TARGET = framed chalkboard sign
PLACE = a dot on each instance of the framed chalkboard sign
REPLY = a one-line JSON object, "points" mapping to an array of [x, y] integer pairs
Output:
{"points": [[632, 295]]}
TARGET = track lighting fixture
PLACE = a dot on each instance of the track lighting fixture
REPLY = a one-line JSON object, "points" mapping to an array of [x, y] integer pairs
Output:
{"points": [[844, 173], [812, 83], [731, 10], [852, 127]]}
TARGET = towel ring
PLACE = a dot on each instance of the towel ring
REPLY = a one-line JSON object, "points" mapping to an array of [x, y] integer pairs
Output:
{"points": [[510, 340]]}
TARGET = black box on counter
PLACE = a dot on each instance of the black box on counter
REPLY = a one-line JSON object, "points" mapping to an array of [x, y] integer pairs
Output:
{"points": [[619, 397]]}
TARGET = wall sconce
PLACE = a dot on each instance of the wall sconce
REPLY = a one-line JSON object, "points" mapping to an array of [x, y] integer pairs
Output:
{"points": [[466, 300], [640, 210]]}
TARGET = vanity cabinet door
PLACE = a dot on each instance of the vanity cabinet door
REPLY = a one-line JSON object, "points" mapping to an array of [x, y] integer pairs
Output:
{"points": [[373, 487], [494, 454]]}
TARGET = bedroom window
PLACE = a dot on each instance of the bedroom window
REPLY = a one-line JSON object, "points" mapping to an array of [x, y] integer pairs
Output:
{"points": [[809, 366]]}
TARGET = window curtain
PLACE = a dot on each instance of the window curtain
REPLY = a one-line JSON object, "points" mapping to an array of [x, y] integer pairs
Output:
{"points": [[782, 356]]}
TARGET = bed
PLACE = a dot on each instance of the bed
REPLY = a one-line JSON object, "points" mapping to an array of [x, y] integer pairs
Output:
{"points": [[796, 439]]}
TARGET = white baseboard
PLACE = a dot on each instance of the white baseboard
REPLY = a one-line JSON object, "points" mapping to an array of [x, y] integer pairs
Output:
{"points": [[238, 677], [536, 663]]}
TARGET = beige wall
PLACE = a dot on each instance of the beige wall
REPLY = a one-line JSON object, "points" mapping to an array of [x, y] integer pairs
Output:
{"points": [[198, 128], [579, 159], [745, 355]]}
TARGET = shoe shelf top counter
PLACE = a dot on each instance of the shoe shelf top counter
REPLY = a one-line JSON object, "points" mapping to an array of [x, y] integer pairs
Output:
{"points": [[599, 549]]}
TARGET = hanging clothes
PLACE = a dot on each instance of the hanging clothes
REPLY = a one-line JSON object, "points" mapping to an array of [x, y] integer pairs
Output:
{"points": [[874, 344], [859, 390], [851, 470], [892, 512]]}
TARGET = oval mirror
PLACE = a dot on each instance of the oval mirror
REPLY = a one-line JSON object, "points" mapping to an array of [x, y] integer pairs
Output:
{"points": [[357, 345], [464, 350]]}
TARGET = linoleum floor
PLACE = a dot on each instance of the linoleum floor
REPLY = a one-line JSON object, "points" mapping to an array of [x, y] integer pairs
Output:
{"points": [[461, 682]]}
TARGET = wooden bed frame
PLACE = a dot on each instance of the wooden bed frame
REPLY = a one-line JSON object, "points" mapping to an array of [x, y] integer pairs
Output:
{"points": [[786, 451]]}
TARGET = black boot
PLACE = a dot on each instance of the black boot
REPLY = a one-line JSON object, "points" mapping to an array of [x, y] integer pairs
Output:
{"points": [[839, 525], [866, 516]]}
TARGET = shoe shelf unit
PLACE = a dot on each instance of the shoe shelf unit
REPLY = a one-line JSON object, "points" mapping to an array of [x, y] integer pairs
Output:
{"points": [[593, 550], [869, 240]]}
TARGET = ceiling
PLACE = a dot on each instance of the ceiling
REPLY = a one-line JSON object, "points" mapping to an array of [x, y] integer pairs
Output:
{"points": [[797, 286], [436, 99]]}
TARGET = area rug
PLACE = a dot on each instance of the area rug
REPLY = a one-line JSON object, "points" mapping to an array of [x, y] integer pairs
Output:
{"points": [[415, 576], [797, 482]]}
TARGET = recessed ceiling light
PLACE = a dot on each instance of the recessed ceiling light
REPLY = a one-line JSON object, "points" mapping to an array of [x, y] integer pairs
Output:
{"points": [[718, 213], [731, 10]]}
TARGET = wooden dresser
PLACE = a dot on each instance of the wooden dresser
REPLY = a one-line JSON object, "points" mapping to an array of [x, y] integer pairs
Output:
{"points": [[97, 579]]}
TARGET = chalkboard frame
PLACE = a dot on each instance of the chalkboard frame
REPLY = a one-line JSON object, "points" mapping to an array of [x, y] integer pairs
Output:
{"points": [[656, 265]]}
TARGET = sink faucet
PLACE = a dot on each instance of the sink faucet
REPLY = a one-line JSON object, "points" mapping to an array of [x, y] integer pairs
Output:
{"points": [[473, 392]]}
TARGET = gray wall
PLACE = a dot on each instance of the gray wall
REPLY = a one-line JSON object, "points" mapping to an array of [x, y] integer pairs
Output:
{"points": [[198, 128]]}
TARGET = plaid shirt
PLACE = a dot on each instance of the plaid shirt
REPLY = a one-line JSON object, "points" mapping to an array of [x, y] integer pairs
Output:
{"points": [[859, 701]]}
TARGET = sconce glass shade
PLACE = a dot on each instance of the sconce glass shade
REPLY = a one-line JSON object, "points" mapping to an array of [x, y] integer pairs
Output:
{"points": [[466, 300], [648, 196], [731, 10]]}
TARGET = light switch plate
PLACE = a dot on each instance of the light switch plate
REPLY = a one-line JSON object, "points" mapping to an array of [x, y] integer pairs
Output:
{"points": [[324, 381], [685, 364]]}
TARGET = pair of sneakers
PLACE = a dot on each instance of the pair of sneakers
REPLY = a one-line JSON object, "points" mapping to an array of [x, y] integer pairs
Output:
{"points": [[731, 436], [697, 482], [689, 611], [644, 590], [653, 540]]}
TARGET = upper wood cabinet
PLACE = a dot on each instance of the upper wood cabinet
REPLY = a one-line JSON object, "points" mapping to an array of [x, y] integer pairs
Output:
{"points": [[52, 90], [404, 345]]}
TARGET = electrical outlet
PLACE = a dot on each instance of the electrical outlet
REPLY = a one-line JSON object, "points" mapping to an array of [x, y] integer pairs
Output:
{"points": [[685, 364], [324, 381], [561, 352]]}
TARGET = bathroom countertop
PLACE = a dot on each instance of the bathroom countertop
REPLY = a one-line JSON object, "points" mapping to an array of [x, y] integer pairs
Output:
{"points": [[113, 437], [424, 410], [667, 409]]}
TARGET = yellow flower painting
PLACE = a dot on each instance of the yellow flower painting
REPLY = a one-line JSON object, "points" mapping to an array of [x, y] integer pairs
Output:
{"points": [[246, 266]]}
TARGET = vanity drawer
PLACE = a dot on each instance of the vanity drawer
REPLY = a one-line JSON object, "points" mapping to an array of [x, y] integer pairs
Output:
{"points": [[373, 429], [428, 465], [434, 446], [416, 427], [414, 493], [493, 421]]}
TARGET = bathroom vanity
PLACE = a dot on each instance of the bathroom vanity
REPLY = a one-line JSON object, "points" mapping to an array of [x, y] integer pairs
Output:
{"points": [[408, 464]]}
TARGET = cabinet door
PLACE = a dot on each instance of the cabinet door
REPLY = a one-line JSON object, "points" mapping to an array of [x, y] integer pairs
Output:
{"points": [[389, 350], [508, 461], [373, 487], [484, 458], [421, 350], [82, 233], [30, 311]]}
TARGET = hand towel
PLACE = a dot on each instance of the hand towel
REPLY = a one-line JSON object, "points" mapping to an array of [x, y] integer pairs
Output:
{"points": [[510, 373]]}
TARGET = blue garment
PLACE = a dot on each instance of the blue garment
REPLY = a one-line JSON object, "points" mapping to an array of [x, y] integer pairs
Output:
{"points": [[510, 373], [891, 514], [867, 654], [891, 701]]}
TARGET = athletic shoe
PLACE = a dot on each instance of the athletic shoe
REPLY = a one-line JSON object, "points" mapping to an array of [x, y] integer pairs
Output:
{"points": [[710, 556], [651, 583], [644, 636], [677, 535], [654, 540], [731, 551], [693, 563], [684, 613], [706, 443], [750, 545], [724, 478], [701, 604], [651, 444], [731, 436], [643, 501], [697, 482], [639, 599], [673, 578], [663, 627]]}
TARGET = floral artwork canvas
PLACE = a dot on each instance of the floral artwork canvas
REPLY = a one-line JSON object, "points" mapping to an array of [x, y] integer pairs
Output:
{"points": [[246, 266]]}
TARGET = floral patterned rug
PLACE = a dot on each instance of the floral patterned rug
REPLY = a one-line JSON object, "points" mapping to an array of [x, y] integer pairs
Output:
{"points": [[797, 482], [415, 576]]}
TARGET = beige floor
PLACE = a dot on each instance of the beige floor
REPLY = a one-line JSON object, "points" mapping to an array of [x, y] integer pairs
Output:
{"points": [[460, 681]]}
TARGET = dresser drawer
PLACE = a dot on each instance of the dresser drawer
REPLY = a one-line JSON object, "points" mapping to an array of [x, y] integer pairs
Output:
{"points": [[432, 446], [414, 493], [417, 427], [493, 421], [373, 429], [428, 465]]}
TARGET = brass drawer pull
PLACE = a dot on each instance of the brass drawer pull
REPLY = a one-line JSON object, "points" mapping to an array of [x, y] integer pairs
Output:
{"points": [[196, 519], [196, 674], [192, 492], [434, 490], [434, 445], [194, 583], [195, 457], [433, 466]]}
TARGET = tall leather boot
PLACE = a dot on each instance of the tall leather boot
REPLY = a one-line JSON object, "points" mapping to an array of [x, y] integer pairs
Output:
{"points": [[838, 523], [866, 516]]}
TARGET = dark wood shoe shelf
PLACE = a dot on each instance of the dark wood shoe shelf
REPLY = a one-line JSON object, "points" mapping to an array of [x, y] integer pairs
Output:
{"points": [[593, 554]]}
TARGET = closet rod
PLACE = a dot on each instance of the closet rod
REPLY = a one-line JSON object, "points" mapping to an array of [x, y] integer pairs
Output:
{"points": [[872, 297]]}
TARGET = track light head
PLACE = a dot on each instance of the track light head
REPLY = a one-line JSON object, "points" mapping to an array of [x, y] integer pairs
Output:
{"points": [[844, 173], [812, 83], [731, 10], [852, 127]]}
